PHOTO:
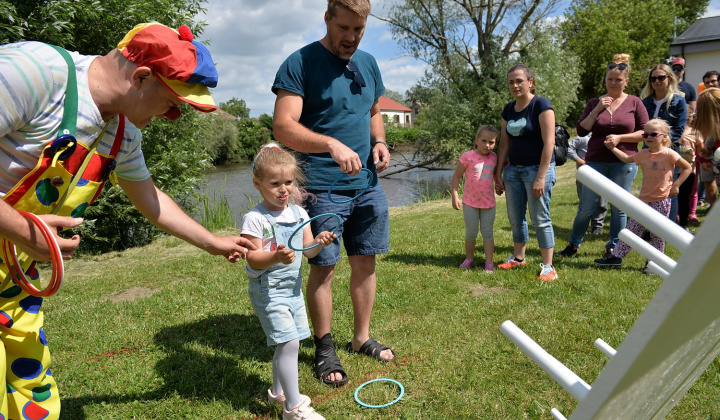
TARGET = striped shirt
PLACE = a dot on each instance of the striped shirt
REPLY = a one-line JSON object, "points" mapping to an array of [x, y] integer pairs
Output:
{"points": [[33, 79]]}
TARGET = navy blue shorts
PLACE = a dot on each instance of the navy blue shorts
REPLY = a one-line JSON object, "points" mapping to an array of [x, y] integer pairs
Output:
{"points": [[366, 223]]}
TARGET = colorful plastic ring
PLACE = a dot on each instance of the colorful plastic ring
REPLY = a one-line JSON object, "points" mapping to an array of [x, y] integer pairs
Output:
{"points": [[370, 180], [300, 228], [402, 392], [16, 271]]}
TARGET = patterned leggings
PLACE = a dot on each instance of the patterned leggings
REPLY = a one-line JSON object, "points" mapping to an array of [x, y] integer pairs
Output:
{"points": [[622, 249]]}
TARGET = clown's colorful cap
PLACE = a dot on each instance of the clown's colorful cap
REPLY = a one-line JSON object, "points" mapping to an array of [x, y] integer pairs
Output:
{"points": [[184, 66]]}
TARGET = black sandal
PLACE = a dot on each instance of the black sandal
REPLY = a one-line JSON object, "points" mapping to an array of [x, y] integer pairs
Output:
{"points": [[327, 362], [371, 348]]}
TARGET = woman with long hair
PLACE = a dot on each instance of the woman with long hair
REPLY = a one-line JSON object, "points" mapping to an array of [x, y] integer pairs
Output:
{"points": [[662, 99], [620, 118], [707, 123], [527, 138]]}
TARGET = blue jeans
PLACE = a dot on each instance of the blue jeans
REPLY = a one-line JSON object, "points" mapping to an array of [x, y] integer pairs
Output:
{"points": [[623, 174], [519, 198]]}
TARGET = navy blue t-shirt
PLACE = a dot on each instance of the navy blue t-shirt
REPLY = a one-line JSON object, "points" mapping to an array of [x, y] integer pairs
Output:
{"points": [[688, 90], [523, 129], [333, 105]]}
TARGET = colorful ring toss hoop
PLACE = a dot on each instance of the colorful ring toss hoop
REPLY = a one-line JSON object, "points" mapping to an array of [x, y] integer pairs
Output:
{"points": [[300, 228], [16, 271], [370, 179], [402, 392]]}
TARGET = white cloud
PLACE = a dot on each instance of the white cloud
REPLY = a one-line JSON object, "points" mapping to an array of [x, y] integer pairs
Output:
{"points": [[249, 39]]}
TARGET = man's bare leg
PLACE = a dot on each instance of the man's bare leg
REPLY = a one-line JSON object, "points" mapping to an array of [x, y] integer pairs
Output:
{"points": [[319, 303], [362, 292]]}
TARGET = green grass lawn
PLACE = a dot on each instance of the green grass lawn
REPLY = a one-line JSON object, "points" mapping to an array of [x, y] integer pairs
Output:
{"points": [[167, 332]]}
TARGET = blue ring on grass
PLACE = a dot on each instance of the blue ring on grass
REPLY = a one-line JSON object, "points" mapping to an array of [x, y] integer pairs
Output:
{"points": [[300, 228], [402, 392], [370, 179]]}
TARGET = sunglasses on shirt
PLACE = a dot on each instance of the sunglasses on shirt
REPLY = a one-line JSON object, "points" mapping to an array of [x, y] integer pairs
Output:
{"points": [[620, 66], [653, 134], [657, 78], [357, 76]]}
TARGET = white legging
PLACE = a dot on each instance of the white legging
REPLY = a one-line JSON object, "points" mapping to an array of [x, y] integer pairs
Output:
{"points": [[285, 372], [482, 218]]}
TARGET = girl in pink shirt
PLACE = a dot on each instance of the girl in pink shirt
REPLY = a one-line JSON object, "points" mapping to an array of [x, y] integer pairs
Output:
{"points": [[657, 163], [478, 201]]}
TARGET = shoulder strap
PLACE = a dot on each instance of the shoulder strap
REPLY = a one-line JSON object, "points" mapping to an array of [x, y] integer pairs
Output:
{"points": [[69, 121]]}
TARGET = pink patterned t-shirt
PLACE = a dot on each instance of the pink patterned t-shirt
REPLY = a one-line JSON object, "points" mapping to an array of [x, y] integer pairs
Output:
{"points": [[479, 190]]}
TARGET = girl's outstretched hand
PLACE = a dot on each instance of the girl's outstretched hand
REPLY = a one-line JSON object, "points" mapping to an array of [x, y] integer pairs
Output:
{"points": [[325, 238]]}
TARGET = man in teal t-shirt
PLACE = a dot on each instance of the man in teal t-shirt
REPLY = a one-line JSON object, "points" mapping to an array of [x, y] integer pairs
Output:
{"points": [[327, 109]]}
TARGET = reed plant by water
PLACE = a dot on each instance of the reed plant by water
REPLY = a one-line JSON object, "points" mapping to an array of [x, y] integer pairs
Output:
{"points": [[216, 212]]}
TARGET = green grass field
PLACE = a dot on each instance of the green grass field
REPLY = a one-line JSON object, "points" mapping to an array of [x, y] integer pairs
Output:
{"points": [[167, 332]]}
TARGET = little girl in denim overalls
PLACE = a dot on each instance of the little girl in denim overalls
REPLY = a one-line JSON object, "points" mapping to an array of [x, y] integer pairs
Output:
{"points": [[275, 280]]}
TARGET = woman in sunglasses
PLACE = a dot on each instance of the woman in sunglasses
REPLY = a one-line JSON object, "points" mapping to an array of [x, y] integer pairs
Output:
{"points": [[662, 99], [619, 118]]}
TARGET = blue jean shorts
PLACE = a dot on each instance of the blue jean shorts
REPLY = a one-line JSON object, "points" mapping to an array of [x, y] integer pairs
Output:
{"points": [[281, 311], [365, 228]]}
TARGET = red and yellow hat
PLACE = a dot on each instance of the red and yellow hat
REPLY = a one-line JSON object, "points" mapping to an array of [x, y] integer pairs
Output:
{"points": [[184, 66]]}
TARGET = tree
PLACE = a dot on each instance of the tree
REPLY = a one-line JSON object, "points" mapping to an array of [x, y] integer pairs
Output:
{"points": [[91, 26], [462, 35], [596, 30], [236, 107], [395, 96], [469, 45]]}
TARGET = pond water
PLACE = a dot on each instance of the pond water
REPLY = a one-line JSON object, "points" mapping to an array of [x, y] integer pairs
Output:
{"points": [[406, 188]]}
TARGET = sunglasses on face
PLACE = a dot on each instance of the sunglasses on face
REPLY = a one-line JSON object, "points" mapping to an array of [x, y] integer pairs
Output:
{"points": [[357, 76], [620, 66], [657, 78], [653, 134], [678, 69]]}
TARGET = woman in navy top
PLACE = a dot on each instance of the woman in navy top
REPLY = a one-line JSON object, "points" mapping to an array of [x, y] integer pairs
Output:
{"points": [[527, 138]]}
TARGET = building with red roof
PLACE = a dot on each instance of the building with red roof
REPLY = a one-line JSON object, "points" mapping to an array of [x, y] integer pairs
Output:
{"points": [[395, 113]]}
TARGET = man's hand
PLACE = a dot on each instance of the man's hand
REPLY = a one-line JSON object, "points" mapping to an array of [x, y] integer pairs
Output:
{"points": [[346, 158], [232, 247], [381, 157], [37, 248]]}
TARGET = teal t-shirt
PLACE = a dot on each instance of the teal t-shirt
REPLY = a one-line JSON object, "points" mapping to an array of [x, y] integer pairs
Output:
{"points": [[333, 105]]}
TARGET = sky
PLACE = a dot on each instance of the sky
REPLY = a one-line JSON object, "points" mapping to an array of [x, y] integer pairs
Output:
{"points": [[249, 39]]}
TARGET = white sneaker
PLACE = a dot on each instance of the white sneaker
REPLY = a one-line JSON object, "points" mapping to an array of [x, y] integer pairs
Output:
{"points": [[277, 399], [302, 411], [547, 273]]}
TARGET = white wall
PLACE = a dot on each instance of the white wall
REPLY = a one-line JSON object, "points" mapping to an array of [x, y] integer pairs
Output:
{"points": [[392, 115], [698, 63]]}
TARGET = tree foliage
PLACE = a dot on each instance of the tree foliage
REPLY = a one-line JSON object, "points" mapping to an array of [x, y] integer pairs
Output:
{"points": [[90, 26], [236, 107], [466, 35], [470, 45], [596, 30], [395, 96]]}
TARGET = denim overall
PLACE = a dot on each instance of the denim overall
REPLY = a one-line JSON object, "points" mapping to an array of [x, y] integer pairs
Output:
{"points": [[276, 295]]}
